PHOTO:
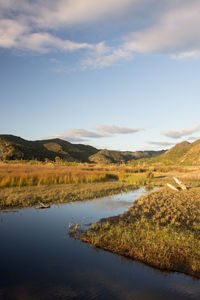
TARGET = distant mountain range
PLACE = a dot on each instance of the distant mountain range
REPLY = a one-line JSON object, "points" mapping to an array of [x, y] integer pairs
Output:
{"points": [[13, 147], [109, 156]]}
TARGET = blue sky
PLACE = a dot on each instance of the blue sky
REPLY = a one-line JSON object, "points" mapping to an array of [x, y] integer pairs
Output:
{"points": [[120, 75]]}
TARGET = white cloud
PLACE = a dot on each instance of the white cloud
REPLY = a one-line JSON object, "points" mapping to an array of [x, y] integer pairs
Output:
{"points": [[44, 42], [25, 25], [15, 34], [106, 59], [10, 32], [161, 143], [175, 32], [65, 12], [53, 14], [113, 129], [193, 54], [77, 135], [181, 133], [102, 131]]}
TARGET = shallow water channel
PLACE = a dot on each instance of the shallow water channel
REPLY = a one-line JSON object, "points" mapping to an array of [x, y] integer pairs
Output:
{"points": [[38, 260]]}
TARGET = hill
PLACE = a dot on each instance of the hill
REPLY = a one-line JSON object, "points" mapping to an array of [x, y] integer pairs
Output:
{"points": [[184, 153], [13, 147], [110, 156]]}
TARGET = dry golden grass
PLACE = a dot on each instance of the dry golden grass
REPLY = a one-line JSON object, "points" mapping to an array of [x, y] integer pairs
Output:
{"points": [[60, 193], [34, 174], [25, 174], [28, 175], [162, 229]]}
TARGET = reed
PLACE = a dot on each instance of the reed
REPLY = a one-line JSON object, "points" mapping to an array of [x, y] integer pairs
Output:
{"points": [[12, 175]]}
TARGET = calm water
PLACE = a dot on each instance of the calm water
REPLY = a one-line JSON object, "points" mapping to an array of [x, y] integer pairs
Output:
{"points": [[39, 261]]}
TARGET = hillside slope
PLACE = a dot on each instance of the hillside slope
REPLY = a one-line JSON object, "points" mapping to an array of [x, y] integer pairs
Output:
{"points": [[110, 156], [13, 147], [184, 153]]}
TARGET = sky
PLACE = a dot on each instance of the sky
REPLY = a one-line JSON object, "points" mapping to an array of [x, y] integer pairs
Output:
{"points": [[115, 74]]}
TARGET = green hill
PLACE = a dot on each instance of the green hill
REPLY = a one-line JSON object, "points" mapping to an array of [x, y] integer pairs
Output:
{"points": [[13, 147], [110, 156], [107, 157], [184, 153]]}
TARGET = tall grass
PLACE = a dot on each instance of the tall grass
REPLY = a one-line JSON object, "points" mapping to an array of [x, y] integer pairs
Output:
{"points": [[12, 175], [137, 179]]}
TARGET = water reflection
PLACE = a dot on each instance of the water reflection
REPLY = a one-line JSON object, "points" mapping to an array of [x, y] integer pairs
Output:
{"points": [[39, 261]]}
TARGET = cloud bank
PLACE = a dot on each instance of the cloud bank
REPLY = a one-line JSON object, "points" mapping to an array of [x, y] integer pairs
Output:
{"points": [[27, 25], [34, 26], [175, 134]]}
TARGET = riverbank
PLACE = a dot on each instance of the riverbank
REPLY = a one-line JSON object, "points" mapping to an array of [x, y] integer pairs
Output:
{"points": [[161, 229], [60, 193], [26, 184]]}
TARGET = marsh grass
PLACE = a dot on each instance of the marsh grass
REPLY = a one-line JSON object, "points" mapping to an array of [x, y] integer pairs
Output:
{"points": [[162, 229], [34, 175], [60, 193], [12, 175], [26, 174]]}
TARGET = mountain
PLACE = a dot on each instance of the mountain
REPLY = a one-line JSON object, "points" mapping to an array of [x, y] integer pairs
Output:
{"points": [[184, 153], [110, 156], [13, 147]]}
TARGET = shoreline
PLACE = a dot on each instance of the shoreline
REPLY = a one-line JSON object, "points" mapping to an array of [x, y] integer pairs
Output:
{"points": [[139, 235], [62, 193], [146, 263]]}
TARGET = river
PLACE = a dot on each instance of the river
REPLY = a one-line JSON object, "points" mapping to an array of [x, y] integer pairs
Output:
{"points": [[38, 259]]}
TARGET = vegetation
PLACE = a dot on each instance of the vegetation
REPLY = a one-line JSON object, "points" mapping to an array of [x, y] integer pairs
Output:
{"points": [[25, 184], [22, 177], [29, 175], [15, 148], [162, 229], [110, 157], [184, 154], [59, 193]]}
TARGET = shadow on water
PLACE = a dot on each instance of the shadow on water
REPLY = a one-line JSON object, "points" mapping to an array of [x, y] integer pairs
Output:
{"points": [[39, 261]]}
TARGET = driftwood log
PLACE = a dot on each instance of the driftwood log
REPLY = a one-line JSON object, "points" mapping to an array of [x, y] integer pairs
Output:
{"points": [[172, 187], [182, 185], [42, 205]]}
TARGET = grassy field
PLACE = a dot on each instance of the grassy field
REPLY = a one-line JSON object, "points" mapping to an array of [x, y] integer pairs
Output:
{"points": [[25, 184], [161, 229], [12, 175]]}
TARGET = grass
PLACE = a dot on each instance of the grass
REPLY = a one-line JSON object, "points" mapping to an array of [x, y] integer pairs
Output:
{"points": [[12, 175], [61, 193], [26, 174], [162, 229], [24, 184]]}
